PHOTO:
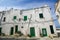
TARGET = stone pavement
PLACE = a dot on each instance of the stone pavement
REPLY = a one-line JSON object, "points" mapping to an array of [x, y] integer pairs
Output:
{"points": [[29, 38]]}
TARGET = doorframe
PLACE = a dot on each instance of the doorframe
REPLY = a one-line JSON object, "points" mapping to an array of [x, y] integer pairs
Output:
{"points": [[12, 28], [44, 29], [34, 31]]}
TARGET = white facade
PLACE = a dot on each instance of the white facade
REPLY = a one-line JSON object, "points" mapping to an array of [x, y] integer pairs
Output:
{"points": [[37, 19], [9, 21]]}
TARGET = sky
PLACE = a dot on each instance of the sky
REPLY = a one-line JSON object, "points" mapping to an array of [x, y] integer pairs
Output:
{"points": [[27, 4]]}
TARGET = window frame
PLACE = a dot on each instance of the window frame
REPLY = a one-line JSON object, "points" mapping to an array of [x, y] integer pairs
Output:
{"points": [[41, 15], [15, 17], [25, 18]]}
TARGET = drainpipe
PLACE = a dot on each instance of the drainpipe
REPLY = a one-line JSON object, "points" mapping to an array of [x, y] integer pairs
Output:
{"points": [[1, 17], [29, 20]]}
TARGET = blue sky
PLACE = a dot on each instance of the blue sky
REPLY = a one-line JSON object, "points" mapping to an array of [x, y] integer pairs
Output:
{"points": [[26, 4]]}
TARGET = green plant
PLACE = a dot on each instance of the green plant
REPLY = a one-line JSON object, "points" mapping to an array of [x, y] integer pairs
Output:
{"points": [[3, 34], [19, 32], [50, 36], [29, 35], [41, 34], [0, 34]]}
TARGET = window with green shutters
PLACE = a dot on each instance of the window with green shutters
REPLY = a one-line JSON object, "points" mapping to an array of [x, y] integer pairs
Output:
{"points": [[41, 15], [44, 32], [14, 17], [25, 18]]}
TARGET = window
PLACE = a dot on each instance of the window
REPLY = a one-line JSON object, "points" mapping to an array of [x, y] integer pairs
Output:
{"points": [[21, 26], [51, 29], [41, 15], [19, 19], [4, 19], [14, 17], [44, 31], [25, 18]]}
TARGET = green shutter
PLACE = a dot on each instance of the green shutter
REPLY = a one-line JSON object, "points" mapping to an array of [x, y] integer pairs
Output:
{"points": [[44, 32], [14, 17], [16, 28], [11, 31], [41, 15], [32, 31], [0, 30], [25, 18]]}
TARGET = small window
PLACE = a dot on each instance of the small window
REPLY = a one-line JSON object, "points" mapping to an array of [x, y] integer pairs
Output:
{"points": [[25, 18], [14, 17], [22, 27], [41, 15], [19, 19], [4, 19]]}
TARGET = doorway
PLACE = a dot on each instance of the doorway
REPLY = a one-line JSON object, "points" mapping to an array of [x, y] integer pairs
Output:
{"points": [[32, 31]]}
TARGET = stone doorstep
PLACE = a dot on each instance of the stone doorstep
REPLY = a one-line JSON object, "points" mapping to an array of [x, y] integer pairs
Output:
{"points": [[55, 36]]}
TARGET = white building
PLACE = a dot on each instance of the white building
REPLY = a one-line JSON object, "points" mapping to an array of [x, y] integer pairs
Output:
{"points": [[33, 21], [57, 10]]}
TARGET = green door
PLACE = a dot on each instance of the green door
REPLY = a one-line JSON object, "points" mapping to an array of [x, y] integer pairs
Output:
{"points": [[32, 31], [11, 31], [0, 31], [44, 32], [16, 28]]}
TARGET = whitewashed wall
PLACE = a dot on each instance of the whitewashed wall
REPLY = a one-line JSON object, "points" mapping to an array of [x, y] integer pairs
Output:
{"points": [[35, 17], [36, 22]]}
